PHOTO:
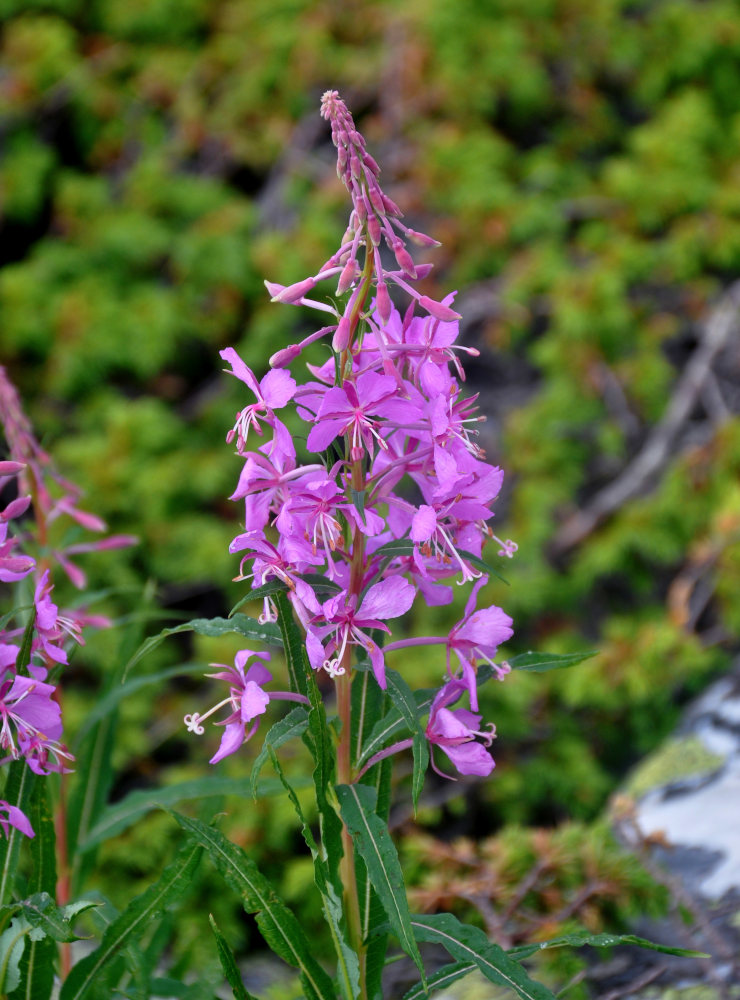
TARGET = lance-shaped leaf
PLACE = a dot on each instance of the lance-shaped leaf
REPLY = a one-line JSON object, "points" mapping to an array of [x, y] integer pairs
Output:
{"points": [[403, 699], [348, 968], [294, 724], [317, 737], [394, 724], [228, 964], [90, 974], [42, 912], [293, 643], [268, 589], [581, 938], [249, 628], [441, 979], [12, 943], [37, 964], [276, 922], [540, 662], [469, 944], [375, 846], [125, 813], [17, 792]]}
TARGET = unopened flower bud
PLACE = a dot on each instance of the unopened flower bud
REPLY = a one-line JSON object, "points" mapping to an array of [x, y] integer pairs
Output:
{"points": [[383, 301], [439, 311], [391, 207], [294, 293], [340, 341], [281, 359], [348, 275], [421, 239], [373, 228], [376, 200], [405, 261]]}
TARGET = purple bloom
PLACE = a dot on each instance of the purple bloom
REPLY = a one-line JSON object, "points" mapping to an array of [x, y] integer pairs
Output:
{"points": [[455, 730], [477, 636], [345, 623], [273, 392], [13, 816], [247, 700]]}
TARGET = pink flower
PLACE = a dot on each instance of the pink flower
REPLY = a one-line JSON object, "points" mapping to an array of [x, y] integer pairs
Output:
{"points": [[477, 636], [273, 392], [345, 623], [247, 700], [13, 816], [454, 731]]}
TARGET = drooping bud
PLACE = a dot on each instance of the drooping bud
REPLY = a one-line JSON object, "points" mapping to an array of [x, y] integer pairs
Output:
{"points": [[439, 311]]}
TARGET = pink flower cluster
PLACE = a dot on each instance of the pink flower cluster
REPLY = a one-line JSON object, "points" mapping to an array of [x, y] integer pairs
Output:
{"points": [[393, 496], [30, 717]]}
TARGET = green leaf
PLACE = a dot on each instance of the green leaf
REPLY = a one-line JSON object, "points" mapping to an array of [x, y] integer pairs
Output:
{"points": [[294, 645], [277, 923], [268, 589], [358, 499], [539, 662], [41, 911], [445, 976], [294, 724], [90, 973], [228, 963], [241, 624], [110, 701], [124, 814], [403, 698], [397, 547], [12, 943], [394, 724], [37, 964], [374, 844], [469, 944], [482, 565], [581, 938], [348, 967], [17, 792]]}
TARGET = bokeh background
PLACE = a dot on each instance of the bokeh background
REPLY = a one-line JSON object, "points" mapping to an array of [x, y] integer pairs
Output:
{"points": [[579, 160]]}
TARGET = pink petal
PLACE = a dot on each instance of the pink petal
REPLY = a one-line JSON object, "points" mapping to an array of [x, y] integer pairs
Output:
{"points": [[423, 524], [278, 388], [239, 369], [387, 599], [471, 758]]}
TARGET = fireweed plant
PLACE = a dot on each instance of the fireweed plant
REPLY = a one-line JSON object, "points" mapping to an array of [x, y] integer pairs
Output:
{"points": [[389, 501]]}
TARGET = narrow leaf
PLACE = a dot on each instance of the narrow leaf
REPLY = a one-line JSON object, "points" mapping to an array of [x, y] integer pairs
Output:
{"points": [[293, 643], [126, 929], [124, 814], [348, 968], [268, 589], [228, 964], [17, 792], [241, 624], [482, 565], [539, 662], [37, 964], [469, 944], [394, 724], [294, 724], [277, 923], [373, 842], [403, 699], [581, 938], [445, 976], [110, 701]]}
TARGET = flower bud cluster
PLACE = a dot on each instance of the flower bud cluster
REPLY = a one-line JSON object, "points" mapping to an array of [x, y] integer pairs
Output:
{"points": [[392, 496], [30, 716]]}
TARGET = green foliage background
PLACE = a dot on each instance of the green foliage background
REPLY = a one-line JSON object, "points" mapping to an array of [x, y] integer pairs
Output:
{"points": [[580, 162]]}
